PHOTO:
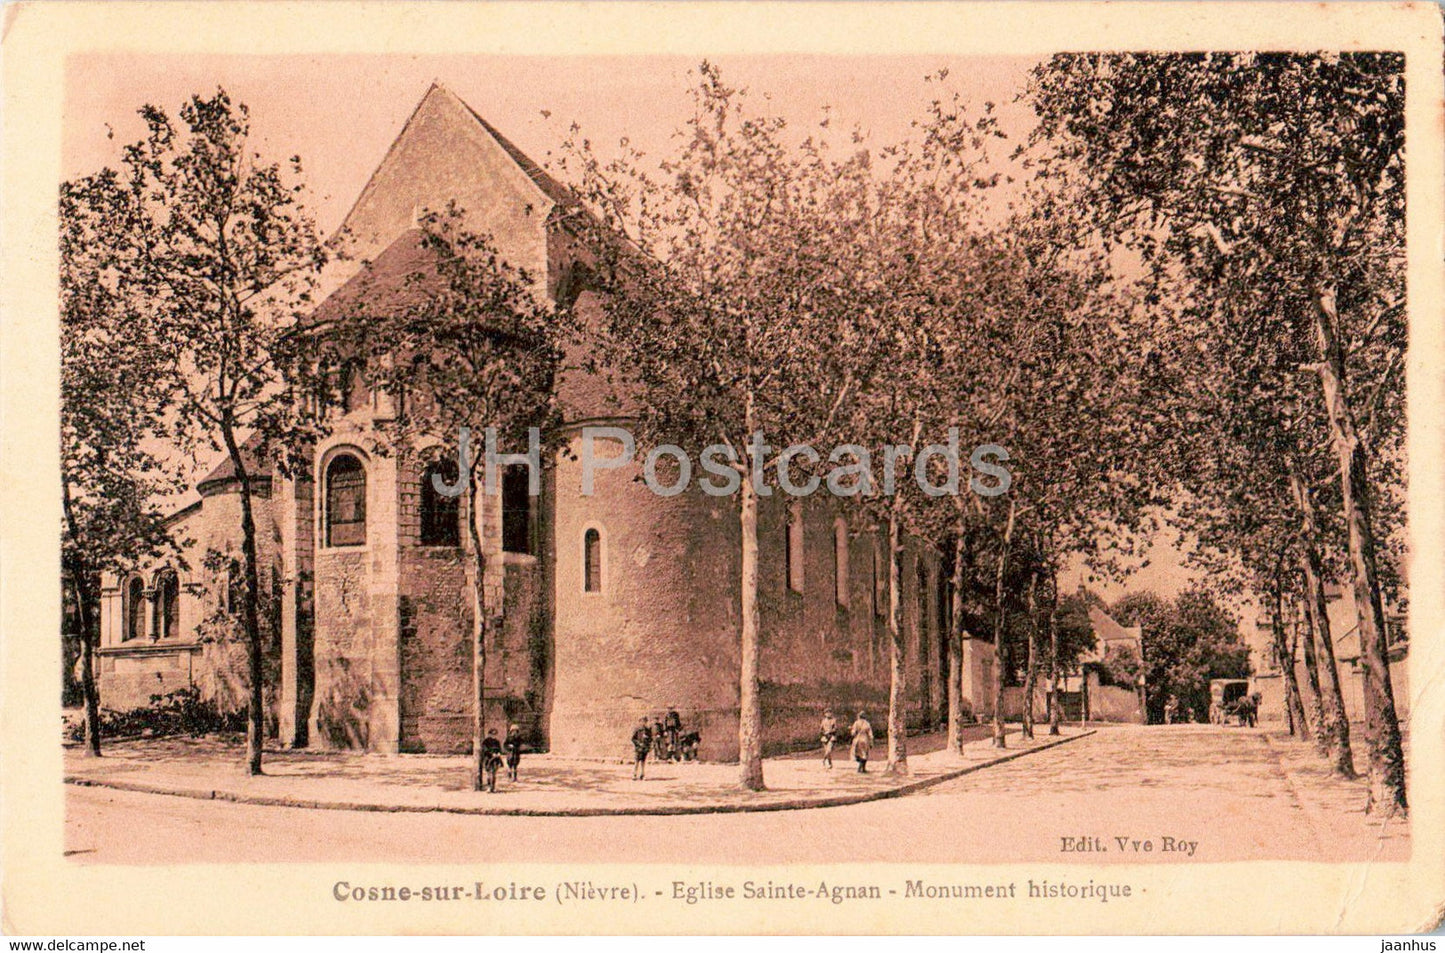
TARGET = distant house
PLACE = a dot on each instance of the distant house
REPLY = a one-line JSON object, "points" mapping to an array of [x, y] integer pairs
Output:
{"points": [[1090, 694], [1112, 702], [1345, 636]]}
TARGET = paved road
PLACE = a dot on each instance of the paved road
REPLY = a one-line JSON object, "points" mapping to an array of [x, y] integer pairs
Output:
{"points": [[1233, 794]]}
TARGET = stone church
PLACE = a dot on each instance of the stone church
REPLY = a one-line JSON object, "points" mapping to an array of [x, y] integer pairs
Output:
{"points": [[615, 605]]}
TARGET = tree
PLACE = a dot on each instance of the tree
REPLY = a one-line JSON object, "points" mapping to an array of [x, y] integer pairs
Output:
{"points": [[1280, 176], [218, 250], [1071, 636], [111, 480], [726, 320], [470, 345], [918, 262], [1243, 443], [1081, 481], [1187, 641]]}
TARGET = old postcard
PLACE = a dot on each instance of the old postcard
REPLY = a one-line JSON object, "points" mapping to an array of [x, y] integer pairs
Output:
{"points": [[797, 468]]}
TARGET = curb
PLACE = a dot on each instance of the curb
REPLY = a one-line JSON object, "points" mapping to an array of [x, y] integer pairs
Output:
{"points": [[795, 804]]}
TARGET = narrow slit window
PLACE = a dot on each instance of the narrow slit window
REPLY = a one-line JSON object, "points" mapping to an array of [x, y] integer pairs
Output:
{"points": [[592, 561], [793, 551], [168, 597], [134, 609]]}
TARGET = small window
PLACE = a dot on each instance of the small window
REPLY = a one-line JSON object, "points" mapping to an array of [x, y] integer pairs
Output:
{"points": [[517, 509], [440, 514], [351, 388], [592, 561], [345, 502], [793, 548], [234, 582], [840, 562], [135, 600], [168, 598]]}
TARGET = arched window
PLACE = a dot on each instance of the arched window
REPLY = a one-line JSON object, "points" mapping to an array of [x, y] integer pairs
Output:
{"points": [[793, 547], [440, 514], [135, 600], [167, 608], [592, 561], [840, 562], [345, 502]]}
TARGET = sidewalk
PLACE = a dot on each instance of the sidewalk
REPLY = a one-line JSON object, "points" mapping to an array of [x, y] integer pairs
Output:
{"points": [[549, 785]]}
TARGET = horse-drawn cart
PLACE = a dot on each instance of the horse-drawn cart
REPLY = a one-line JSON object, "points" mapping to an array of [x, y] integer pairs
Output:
{"points": [[1230, 702]]}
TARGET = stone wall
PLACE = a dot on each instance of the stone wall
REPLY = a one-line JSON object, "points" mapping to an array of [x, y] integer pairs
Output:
{"points": [[356, 640], [663, 632]]}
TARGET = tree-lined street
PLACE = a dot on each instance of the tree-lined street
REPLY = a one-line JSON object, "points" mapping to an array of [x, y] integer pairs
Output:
{"points": [[1181, 303]]}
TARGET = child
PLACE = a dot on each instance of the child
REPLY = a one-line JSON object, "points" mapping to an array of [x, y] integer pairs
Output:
{"points": [[829, 736], [491, 758], [513, 747], [641, 744]]}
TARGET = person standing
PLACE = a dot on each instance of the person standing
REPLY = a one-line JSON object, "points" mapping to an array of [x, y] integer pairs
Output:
{"points": [[862, 741], [829, 736], [672, 724], [641, 744], [512, 745]]}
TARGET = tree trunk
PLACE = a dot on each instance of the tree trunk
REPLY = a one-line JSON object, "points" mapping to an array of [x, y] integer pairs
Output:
{"points": [[1326, 727], [1031, 677], [90, 693], [897, 699], [480, 626], [1334, 725], [81, 587], [750, 709], [1055, 717], [1284, 657], [999, 734], [1382, 725], [955, 647], [250, 606]]}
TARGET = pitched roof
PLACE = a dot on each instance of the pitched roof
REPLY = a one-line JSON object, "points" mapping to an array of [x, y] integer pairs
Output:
{"points": [[445, 152], [553, 189], [257, 465], [1107, 628], [399, 277]]}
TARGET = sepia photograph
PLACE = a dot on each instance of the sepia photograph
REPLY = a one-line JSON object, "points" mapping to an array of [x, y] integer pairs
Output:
{"points": [[804, 490]]}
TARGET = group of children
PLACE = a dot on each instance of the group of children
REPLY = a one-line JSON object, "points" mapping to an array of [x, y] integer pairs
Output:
{"points": [[861, 732], [493, 751], [664, 739]]}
